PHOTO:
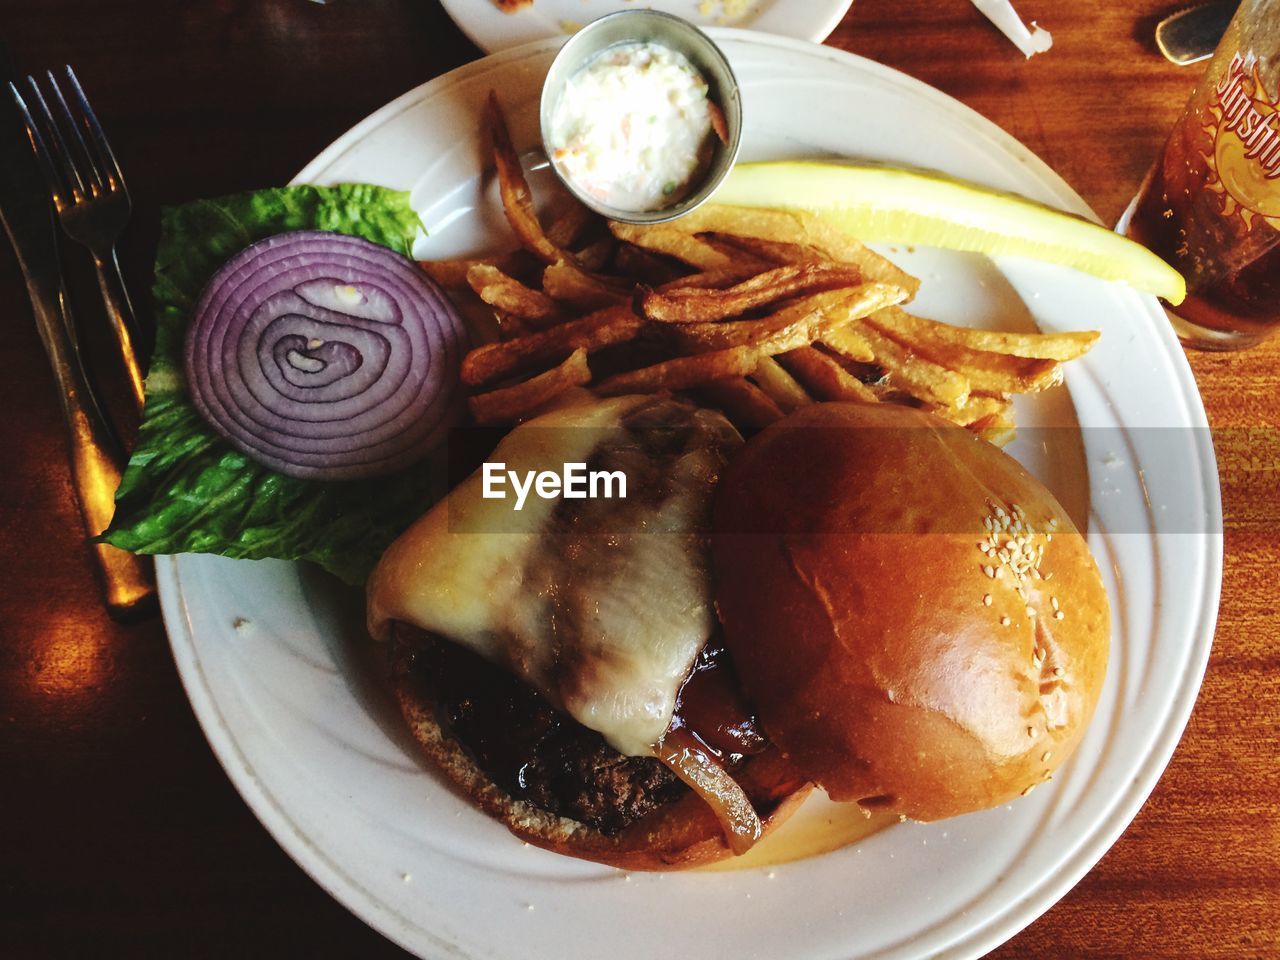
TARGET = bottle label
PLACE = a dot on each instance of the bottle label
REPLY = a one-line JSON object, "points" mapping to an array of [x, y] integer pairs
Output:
{"points": [[1245, 128]]}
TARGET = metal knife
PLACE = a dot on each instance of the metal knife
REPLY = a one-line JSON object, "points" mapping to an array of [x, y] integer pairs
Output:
{"points": [[1192, 35], [96, 454]]}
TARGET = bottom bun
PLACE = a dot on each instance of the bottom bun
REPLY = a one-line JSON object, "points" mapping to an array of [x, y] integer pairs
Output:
{"points": [[680, 834]]}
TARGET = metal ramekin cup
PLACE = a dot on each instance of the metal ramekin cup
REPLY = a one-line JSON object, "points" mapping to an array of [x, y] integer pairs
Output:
{"points": [[650, 26]]}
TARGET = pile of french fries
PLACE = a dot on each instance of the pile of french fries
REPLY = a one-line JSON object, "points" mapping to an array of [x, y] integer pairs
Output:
{"points": [[753, 311]]}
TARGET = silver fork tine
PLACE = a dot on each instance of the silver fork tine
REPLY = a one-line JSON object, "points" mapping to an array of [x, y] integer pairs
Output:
{"points": [[91, 199], [62, 155], [57, 187], [108, 166], [93, 180]]}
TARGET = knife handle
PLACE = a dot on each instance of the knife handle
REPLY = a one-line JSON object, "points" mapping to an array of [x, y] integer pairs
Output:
{"points": [[96, 456]]}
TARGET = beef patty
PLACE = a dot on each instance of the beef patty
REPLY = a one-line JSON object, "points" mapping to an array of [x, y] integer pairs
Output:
{"points": [[544, 757]]}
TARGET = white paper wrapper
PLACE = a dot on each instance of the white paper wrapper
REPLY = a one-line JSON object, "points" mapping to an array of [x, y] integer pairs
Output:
{"points": [[1001, 13]]}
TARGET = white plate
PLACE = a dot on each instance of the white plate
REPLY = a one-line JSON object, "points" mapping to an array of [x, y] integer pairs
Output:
{"points": [[277, 666], [492, 30]]}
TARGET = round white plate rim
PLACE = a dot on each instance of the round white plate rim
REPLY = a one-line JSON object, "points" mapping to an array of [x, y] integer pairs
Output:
{"points": [[484, 25], [339, 883]]}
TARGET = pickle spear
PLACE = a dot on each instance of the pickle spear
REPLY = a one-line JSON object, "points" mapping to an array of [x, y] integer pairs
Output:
{"points": [[891, 205]]}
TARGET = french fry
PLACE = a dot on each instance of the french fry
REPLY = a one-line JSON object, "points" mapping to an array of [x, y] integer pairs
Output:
{"points": [[512, 297], [570, 285], [1062, 347], [719, 278], [973, 409], [744, 262], [718, 122], [595, 255], [745, 404], [913, 374], [782, 388], [697, 304], [777, 251], [509, 404], [643, 266], [517, 201], [568, 227], [452, 274], [848, 344], [997, 372], [789, 323], [683, 373], [997, 429], [824, 312], [1032, 346], [593, 332], [794, 326], [673, 242], [986, 371], [510, 327], [798, 228], [823, 376]]}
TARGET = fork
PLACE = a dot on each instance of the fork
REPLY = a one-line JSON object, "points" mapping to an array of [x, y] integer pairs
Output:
{"points": [[89, 194]]}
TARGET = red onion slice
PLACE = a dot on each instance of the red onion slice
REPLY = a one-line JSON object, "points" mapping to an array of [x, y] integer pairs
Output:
{"points": [[325, 356]]}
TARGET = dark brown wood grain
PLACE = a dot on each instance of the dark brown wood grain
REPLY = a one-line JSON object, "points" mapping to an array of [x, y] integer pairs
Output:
{"points": [[119, 833]]}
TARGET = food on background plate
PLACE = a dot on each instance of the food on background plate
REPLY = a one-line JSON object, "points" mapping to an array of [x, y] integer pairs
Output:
{"points": [[325, 356], [633, 127], [727, 9]]}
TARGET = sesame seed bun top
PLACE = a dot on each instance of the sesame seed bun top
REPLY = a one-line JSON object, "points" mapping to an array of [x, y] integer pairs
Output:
{"points": [[919, 624]]}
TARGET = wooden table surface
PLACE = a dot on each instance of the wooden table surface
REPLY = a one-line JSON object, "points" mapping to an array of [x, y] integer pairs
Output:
{"points": [[120, 834]]}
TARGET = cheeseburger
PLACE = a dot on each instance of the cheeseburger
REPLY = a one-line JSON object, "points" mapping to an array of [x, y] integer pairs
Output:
{"points": [[861, 598]]}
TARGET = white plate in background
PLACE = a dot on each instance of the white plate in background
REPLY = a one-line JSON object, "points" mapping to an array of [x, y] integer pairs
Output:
{"points": [[280, 675], [492, 30]]}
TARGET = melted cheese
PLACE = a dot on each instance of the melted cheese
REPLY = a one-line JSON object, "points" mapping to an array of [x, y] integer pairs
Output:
{"points": [[601, 605]]}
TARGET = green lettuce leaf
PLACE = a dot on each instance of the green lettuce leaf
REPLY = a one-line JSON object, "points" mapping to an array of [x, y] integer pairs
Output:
{"points": [[186, 490]]}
